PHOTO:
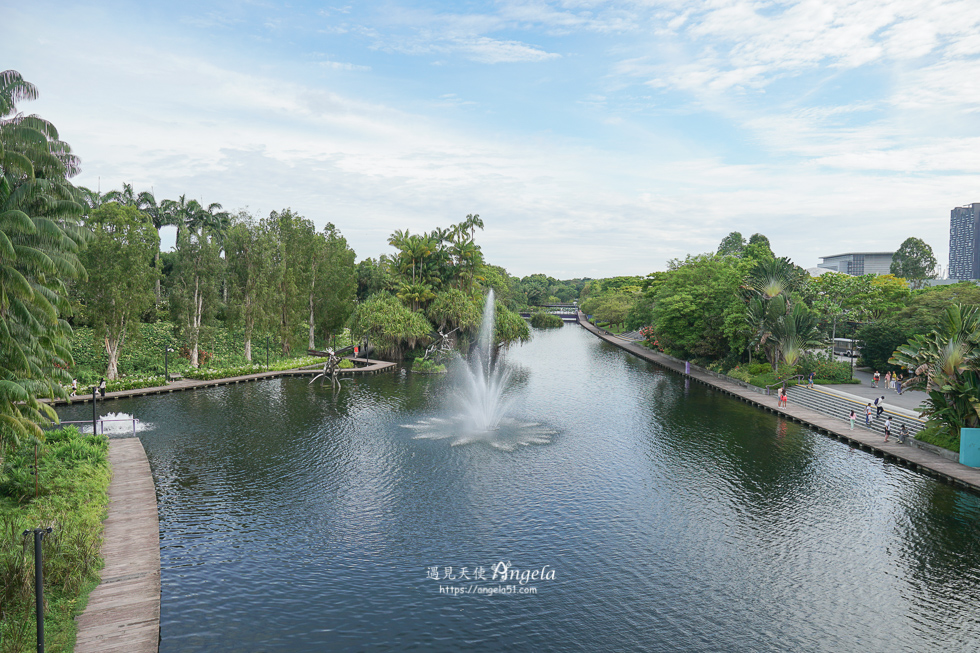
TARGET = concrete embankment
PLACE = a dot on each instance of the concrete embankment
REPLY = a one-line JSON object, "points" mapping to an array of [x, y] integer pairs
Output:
{"points": [[123, 612], [920, 460]]}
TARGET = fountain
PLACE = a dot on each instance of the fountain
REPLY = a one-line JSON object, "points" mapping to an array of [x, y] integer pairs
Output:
{"points": [[479, 408], [116, 425]]}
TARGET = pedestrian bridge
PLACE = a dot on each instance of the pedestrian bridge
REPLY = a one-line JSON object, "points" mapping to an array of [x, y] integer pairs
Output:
{"points": [[567, 312]]}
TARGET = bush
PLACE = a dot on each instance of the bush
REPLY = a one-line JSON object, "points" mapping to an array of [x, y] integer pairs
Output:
{"points": [[938, 434], [759, 368], [425, 366], [825, 369], [542, 320], [73, 479], [741, 374]]}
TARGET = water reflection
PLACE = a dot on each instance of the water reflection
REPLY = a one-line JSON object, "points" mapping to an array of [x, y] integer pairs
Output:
{"points": [[296, 518]]}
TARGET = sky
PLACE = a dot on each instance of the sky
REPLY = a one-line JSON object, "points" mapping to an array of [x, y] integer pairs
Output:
{"points": [[593, 138]]}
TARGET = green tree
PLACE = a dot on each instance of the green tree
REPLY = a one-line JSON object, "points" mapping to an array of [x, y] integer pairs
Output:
{"points": [[248, 252], [40, 236], [453, 309], [732, 245], [946, 364], [333, 285], [914, 261], [292, 271], [195, 281], [121, 279], [390, 325], [758, 248]]}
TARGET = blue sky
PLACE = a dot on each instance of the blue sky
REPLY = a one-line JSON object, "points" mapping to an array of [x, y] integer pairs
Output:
{"points": [[593, 138]]}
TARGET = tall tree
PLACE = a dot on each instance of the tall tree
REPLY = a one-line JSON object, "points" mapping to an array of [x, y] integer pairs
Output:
{"points": [[732, 245], [121, 277], [248, 251], [294, 238], [194, 284], [40, 236], [333, 284], [914, 261]]}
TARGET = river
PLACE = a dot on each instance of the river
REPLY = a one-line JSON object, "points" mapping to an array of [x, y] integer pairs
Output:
{"points": [[658, 516]]}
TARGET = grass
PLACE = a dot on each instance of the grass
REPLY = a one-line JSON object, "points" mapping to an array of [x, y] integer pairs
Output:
{"points": [[73, 486]]}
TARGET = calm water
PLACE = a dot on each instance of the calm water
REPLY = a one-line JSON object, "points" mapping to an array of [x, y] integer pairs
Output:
{"points": [[674, 519]]}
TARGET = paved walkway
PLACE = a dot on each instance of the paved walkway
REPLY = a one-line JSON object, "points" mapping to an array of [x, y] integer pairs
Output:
{"points": [[372, 366], [918, 459], [123, 612]]}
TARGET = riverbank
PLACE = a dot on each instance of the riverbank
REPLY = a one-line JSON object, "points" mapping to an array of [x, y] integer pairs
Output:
{"points": [[920, 460], [123, 612], [370, 366]]}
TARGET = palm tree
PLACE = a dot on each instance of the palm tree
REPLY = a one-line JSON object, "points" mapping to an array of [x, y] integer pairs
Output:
{"points": [[946, 364], [127, 196], [39, 238]]}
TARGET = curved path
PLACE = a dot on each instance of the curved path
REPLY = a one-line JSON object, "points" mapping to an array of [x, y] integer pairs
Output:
{"points": [[372, 367], [123, 612], [918, 459]]}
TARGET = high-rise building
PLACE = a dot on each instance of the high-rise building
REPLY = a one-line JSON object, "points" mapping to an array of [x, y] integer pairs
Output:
{"points": [[964, 242]]}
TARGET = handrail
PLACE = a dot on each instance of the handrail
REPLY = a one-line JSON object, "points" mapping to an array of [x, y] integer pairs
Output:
{"points": [[773, 385]]}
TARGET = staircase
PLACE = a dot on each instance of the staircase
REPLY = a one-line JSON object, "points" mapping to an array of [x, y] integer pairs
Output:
{"points": [[838, 406]]}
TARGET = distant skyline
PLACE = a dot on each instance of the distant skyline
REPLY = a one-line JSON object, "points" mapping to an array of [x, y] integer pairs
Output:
{"points": [[593, 138]]}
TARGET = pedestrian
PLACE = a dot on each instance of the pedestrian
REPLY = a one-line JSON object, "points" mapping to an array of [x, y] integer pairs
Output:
{"points": [[877, 412], [888, 427], [867, 416], [102, 388], [779, 398], [881, 406], [876, 378], [903, 435], [898, 384], [888, 379], [74, 387], [811, 380], [852, 418]]}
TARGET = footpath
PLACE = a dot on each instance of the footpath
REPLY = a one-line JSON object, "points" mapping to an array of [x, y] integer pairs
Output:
{"points": [[922, 460], [123, 612], [369, 366]]}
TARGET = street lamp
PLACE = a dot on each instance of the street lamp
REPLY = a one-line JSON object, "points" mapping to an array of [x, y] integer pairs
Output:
{"points": [[166, 365]]}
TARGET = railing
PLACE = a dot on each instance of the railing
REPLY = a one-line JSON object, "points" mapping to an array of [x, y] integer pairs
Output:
{"points": [[798, 376], [100, 422]]}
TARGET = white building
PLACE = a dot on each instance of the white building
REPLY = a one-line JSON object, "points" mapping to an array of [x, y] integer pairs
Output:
{"points": [[858, 263]]}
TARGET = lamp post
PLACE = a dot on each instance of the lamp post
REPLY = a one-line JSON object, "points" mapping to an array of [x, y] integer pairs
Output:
{"points": [[39, 584], [166, 365], [267, 352], [95, 415]]}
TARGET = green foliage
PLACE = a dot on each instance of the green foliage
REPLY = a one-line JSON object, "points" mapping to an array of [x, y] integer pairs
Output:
{"points": [[611, 307], [946, 363], [426, 366], [914, 261], [880, 340], [391, 326], [938, 434], [732, 245], [826, 370], [74, 478], [210, 373], [452, 309], [698, 311], [40, 237], [509, 327], [542, 320]]}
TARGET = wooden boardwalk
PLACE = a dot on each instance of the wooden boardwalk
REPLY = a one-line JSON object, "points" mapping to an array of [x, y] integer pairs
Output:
{"points": [[123, 612], [372, 367], [920, 460]]}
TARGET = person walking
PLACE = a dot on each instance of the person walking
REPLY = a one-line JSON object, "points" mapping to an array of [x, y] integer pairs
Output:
{"points": [[888, 427], [881, 406], [867, 415], [876, 378], [898, 384], [810, 385], [888, 379], [903, 435], [852, 418], [102, 388], [74, 387]]}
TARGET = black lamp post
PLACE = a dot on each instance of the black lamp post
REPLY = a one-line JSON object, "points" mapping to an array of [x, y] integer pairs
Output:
{"points": [[39, 584], [267, 352], [95, 414], [166, 365]]}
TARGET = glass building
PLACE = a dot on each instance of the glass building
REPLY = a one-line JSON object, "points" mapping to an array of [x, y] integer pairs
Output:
{"points": [[964, 250]]}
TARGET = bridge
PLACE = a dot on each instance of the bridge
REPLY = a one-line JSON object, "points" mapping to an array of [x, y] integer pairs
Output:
{"points": [[567, 312]]}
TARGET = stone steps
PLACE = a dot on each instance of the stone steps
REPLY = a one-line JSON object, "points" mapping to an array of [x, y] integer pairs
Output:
{"points": [[838, 407]]}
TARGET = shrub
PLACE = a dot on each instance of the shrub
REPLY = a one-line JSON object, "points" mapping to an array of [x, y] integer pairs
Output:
{"points": [[542, 320], [425, 366], [741, 374], [938, 434], [73, 480]]}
